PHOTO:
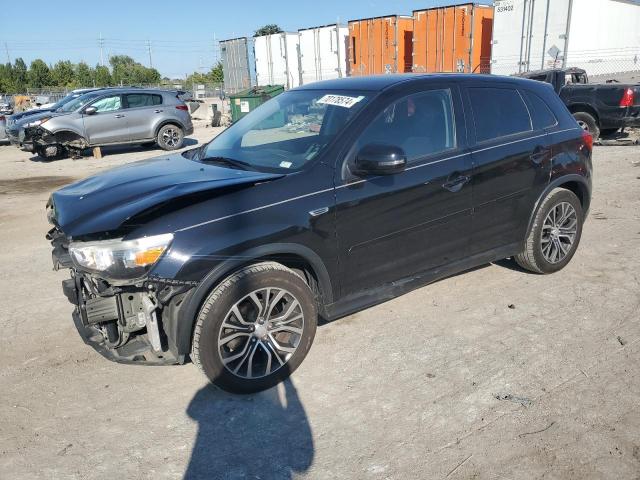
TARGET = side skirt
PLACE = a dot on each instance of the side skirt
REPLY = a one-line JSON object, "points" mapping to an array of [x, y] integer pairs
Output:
{"points": [[368, 298]]}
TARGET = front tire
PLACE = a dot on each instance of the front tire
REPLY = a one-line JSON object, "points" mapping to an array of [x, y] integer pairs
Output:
{"points": [[255, 328], [555, 234], [170, 137]]}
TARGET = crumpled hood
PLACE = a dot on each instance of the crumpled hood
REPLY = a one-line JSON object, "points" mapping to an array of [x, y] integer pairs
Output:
{"points": [[105, 201]]}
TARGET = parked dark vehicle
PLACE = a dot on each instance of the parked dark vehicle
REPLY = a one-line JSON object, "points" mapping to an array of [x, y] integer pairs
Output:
{"points": [[599, 108], [18, 117], [325, 200], [114, 116]]}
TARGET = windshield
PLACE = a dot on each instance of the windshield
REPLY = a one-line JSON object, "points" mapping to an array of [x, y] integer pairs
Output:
{"points": [[287, 131], [65, 100], [77, 102]]}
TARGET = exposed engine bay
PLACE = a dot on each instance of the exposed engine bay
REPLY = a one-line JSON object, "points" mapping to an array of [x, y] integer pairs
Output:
{"points": [[130, 323]]}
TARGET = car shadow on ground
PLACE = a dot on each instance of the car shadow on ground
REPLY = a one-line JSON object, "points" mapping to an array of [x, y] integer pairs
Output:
{"points": [[153, 150], [265, 435]]}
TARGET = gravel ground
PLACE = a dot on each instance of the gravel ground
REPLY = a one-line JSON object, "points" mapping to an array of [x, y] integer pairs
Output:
{"points": [[495, 373]]}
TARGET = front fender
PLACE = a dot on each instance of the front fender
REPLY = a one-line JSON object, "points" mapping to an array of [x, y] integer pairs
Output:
{"points": [[185, 321]]}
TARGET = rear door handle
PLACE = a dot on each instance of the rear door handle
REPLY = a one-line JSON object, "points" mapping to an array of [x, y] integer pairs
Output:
{"points": [[157, 111], [455, 185], [119, 115], [539, 154]]}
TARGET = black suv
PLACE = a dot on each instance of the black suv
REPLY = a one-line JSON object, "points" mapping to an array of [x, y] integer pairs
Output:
{"points": [[325, 200]]}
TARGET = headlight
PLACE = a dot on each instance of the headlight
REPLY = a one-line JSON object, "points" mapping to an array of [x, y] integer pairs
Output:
{"points": [[37, 123], [117, 259]]}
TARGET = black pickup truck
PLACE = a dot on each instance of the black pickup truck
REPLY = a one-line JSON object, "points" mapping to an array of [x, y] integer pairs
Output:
{"points": [[600, 108]]}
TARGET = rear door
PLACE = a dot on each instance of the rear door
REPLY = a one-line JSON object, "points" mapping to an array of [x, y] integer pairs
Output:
{"points": [[108, 124], [143, 111], [392, 226], [511, 164]]}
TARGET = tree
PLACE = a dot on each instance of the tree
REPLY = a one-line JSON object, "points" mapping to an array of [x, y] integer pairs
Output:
{"points": [[127, 71], [84, 75], [216, 74], [103, 76], [63, 74], [267, 30], [39, 74], [20, 75], [6, 79]]}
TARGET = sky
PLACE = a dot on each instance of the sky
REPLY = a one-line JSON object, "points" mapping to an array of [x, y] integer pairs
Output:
{"points": [[182, 34]]}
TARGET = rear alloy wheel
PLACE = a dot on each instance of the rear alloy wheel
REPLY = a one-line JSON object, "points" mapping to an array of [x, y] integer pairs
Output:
{"points": [[588, 123], [555, 234], [255, 328], [170, 137]]}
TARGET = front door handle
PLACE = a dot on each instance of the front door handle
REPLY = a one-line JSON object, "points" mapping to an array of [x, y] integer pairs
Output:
{"points": [[455, 185], [539, 154], [119, 116]]}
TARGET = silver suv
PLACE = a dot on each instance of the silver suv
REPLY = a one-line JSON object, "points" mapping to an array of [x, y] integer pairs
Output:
{"points": [[107, 117]]}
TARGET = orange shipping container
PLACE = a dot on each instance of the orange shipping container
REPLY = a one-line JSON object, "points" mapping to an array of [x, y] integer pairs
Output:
{"points": [[380, 45], [452, 39]]}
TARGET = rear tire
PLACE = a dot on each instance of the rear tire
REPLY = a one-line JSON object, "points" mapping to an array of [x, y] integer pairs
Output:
{"points": [[553, 240], [170, 137], [255, 328], [588, 123]]}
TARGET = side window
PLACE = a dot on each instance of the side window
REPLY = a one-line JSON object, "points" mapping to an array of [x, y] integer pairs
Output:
{"points": [[137, 100], [541, 114], [498, 112], [421, 124], [108, 104]]}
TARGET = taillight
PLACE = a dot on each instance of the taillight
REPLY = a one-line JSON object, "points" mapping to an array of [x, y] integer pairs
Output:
{"points": [[1, 117], [587, 138], [627, 98], [182, 107]]}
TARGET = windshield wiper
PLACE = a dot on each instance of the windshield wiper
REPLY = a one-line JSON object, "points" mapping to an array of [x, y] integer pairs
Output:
{"points": [[227, 161]]}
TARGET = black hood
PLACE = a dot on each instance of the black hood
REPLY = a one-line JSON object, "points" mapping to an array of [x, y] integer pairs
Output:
{"points": [[104, 202]]}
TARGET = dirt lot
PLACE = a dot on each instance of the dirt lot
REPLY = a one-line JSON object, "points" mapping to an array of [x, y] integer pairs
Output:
{"points": [[492, 374]]}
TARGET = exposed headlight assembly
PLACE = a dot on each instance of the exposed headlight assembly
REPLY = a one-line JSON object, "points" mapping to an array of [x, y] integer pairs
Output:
{"points": [[118, 259], [37, 123]]}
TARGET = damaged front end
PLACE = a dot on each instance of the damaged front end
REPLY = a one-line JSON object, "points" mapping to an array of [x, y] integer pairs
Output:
{"points": [[37, 139], [127, 321]]}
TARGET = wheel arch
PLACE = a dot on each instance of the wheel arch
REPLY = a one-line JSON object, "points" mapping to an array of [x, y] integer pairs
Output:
{"points": [[585, 108], [295, 256], [170, 121], [574, 183]]}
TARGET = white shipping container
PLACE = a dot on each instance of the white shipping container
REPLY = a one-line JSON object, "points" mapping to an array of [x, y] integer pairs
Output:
{"points": [[601, 36], [277, 61], [323, 53]]}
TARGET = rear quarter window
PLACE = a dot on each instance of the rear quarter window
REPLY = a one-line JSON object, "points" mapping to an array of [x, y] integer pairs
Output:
{"points": [[541, 114], [498, 112]]}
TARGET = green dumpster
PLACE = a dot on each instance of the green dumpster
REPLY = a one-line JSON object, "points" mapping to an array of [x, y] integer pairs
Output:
{"points": [[248, 100]]}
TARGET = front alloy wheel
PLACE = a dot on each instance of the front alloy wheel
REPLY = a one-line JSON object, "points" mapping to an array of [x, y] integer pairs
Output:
{"points": [[255, 328], [260, 333]]}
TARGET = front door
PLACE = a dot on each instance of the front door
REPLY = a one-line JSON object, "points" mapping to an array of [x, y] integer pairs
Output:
{"points": [[512, 163], [108, 124], [390, 227]]}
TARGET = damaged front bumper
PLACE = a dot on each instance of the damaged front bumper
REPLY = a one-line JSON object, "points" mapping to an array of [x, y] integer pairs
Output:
{"points": [[134, 324], [35, 139]]}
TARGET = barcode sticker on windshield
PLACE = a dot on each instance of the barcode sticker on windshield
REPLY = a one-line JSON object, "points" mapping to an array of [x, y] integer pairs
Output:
{"points": [[340, 100], [285, 164]]}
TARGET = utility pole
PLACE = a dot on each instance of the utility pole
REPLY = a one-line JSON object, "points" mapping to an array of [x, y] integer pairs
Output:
{"points": [[149, 49], [6, 49], [101, 43]]}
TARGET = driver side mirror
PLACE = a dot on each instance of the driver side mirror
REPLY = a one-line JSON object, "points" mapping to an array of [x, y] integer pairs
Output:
{"points": [[90, 110], [380, 159]]}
